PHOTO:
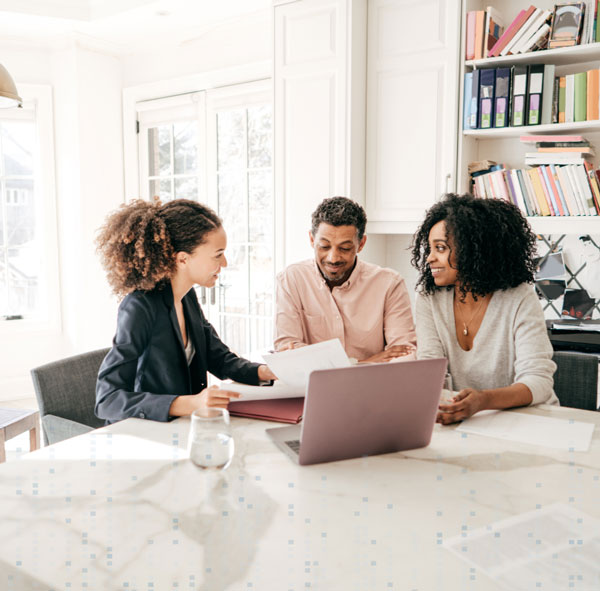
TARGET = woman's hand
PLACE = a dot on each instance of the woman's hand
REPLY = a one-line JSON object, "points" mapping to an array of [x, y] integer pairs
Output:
{"points": [[265, 374], [214, 397], [465, 404]]}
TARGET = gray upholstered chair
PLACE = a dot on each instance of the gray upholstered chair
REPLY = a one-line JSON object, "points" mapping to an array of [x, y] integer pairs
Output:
{"points": [[66, 394], [576, 379]]}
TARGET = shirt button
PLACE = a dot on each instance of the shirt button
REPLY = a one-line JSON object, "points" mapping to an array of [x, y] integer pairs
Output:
{"points": [[142, 415]]}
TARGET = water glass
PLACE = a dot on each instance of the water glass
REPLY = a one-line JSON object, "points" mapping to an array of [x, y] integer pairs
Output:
{"points": [[210, 442], [447, 389]]}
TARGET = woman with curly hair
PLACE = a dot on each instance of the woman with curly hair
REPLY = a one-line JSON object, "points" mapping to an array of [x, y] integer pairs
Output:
{"points": [[153, 255], [477, 308]]}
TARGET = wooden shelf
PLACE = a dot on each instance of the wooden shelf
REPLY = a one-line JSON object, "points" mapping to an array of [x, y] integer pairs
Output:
{"points": [[552, 128], [562, 56]]}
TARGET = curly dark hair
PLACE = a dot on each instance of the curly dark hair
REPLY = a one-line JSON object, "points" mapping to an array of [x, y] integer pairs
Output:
{"points": [[340, 211], [138, 242], [494, 247]]}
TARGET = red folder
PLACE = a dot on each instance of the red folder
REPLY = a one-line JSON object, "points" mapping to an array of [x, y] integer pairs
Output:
{"points": [[283, 410]]}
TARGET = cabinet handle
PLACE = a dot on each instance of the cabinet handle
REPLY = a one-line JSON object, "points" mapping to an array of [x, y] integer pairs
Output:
{"points": [[213, 298], [448, 183], [203, 296]]}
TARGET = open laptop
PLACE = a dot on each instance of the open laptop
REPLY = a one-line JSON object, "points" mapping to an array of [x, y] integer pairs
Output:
{"points": [[365, 410]]}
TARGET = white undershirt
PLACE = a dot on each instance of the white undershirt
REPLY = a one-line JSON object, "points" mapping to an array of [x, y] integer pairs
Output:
{"points": [[189, 351]]}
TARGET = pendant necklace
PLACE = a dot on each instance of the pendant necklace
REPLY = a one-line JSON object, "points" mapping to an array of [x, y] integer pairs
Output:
{"points": [[466, 324]]}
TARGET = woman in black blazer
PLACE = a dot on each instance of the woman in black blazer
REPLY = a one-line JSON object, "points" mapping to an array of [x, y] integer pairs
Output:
{"points": [[153, 255]]}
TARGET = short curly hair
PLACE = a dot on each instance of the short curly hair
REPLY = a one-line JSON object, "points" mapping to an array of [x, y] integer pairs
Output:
{"points": [[138, 242], [494, 247], [339, 211]]}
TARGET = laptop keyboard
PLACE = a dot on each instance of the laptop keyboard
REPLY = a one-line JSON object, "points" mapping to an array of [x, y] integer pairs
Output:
{"points": [[294, 445]]}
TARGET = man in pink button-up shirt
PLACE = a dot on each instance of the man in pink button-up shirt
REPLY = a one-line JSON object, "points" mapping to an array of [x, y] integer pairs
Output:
{"points": [[338, 296]]}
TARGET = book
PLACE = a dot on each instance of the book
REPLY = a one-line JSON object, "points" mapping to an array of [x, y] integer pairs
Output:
{"points": [[468, 91], [548, 93], [535, 84], [593, 95], [570, 99], [532, 139], [538, 191], [551, 170], [586, 191], [555, 100], [494, 27], [580, 96], [562, 149], [502, 97], [579, 197], [569, 191], [533, 158], [479, 25], [511, 30], [518, 108], [538, 40], [533, 32], [474, 106], [282, 410], [562, 98], [470, 41], [546, 189], [518, 36], [487, 86]]}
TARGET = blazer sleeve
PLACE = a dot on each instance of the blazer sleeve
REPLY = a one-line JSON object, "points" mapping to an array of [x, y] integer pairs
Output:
{"points": [[429, 343], [533, 352], [222, 362], [116, 398]]}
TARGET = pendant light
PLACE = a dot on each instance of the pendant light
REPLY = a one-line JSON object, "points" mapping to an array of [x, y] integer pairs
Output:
{"points": [[8, 91]]}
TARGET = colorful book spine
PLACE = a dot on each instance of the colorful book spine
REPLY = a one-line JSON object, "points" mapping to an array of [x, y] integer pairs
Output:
{"points": [[593, 95], [562, 98]]}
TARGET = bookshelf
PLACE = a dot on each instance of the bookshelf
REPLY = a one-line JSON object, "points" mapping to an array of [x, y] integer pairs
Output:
{"points": [[502, 145]]}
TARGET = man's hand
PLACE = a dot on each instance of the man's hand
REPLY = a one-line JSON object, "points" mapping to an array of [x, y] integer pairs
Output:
{"points": [[390, 353], [290, 346], [465, 404]]}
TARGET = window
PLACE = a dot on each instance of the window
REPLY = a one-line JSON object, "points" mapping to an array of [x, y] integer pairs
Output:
{"points": [[28, 274], [216, 147]]}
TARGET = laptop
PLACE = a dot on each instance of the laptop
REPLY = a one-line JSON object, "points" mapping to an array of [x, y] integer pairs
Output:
{"points": [[365, 410]]}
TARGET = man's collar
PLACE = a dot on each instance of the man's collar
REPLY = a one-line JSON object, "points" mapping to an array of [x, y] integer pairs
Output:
{"points": [[346, 285]]}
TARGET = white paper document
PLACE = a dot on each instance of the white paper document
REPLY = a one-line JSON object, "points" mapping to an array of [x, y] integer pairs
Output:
{"points": [[277, 390], [563, 434], [555, 547], [293, 367]]}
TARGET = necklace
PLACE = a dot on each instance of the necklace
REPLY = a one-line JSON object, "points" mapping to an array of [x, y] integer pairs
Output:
{"points": [[466, 324]]}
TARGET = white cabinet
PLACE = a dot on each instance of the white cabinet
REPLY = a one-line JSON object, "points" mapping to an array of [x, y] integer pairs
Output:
{"points": [[319, 79], [412, 109]]}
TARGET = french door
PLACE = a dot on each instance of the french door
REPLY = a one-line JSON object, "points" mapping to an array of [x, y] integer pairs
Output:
{"points": [[217, 147]]}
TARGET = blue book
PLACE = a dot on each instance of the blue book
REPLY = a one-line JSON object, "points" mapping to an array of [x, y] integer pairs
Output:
{"points": [[468, 91]]}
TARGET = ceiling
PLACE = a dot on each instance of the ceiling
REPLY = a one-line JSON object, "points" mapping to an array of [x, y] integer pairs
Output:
{"points": [[123, 26]]}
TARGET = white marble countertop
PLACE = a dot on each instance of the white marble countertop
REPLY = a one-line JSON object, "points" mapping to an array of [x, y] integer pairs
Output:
{"points": [[123, 508]]}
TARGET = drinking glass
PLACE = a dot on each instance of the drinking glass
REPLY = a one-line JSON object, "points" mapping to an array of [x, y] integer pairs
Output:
{"points": [[447, 389], [210, 442]]}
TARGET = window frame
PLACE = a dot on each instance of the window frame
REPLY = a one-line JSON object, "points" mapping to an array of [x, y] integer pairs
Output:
{"points": [[37, 98]]}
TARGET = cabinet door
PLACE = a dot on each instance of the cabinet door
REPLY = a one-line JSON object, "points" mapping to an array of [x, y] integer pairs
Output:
{"points": [[412, 107], [319, 77]]}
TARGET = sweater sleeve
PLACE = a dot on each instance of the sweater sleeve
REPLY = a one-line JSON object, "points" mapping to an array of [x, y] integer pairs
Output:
{"points": [[429, 344], [533, 352]]}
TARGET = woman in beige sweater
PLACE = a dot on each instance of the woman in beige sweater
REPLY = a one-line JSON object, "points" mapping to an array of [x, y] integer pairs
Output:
{"points": [[477, 307]]}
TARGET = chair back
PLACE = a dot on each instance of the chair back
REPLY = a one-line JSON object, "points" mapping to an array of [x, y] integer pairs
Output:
{"points": [[576, 379], [67, 388]]}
